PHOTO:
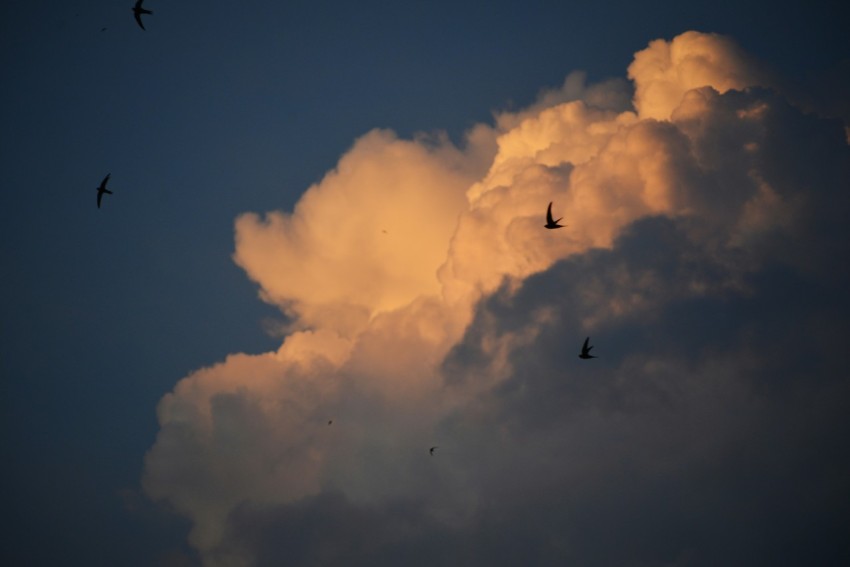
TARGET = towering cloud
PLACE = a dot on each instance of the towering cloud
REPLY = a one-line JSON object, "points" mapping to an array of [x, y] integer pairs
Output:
{"points": [[665, 71], [705, 252]]}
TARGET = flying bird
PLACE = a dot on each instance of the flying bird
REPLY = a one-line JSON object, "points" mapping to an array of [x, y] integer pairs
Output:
{"points": [[431, 450], [585, 350], [549, 222], [102, 189], [138, 11], [330, 421]]}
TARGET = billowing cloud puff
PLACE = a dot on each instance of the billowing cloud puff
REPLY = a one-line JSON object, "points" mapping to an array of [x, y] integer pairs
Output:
{"points": [[368, 238], [665, 71], [705, 254]]}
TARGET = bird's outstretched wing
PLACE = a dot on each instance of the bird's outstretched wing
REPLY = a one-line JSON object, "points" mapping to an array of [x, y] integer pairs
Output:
{"points": [[139, 18], [99, 197], [584, 347], [549, 219], [105, 180]]}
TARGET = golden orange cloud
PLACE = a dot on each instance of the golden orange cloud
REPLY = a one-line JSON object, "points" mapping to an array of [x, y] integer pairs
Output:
{"points": [[382, 262]]}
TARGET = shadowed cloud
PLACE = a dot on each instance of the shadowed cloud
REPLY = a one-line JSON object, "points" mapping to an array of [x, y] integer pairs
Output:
{"points": [[706, 229]]}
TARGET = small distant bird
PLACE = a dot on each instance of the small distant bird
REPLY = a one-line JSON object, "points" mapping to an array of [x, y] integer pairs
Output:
{"points": [[431, 450], [330, 421], [552, 223], [138, 11], [103, 29], [585, 350], [102, 189]]}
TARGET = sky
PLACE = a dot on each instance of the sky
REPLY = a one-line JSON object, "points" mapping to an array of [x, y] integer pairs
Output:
{"points": [[324, 254]]}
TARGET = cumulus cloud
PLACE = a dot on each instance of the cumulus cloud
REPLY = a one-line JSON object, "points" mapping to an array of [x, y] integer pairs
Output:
{"points": [[367, 238], [665, 71], [705, 252]]}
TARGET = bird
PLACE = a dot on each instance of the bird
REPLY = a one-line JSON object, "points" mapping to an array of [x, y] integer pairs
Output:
{"points": [[552, 223], [330, 421], [585, 350], [431, 450], [102, 189], [138, 11]]}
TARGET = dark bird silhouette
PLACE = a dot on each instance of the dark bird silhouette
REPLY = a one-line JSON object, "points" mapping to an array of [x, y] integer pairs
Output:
{"points": [[585, 350], [103, 29], [138, 11], [552, 223], [431, 450], [330, 421], [102, 189]]}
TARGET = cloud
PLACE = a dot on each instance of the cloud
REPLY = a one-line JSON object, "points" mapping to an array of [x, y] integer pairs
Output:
{"points": [[708, 431], [665, 71], [704, 255], [367, 238]]}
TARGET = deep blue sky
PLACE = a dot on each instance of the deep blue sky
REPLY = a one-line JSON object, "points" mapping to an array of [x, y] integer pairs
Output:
{"points": [[220, 108]]}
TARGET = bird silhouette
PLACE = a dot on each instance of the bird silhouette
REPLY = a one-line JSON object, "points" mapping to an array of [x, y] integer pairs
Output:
{"points": [[102, 189], [138, 11], [431, 450], [552, 223], [585, 350], [330, 421]]}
